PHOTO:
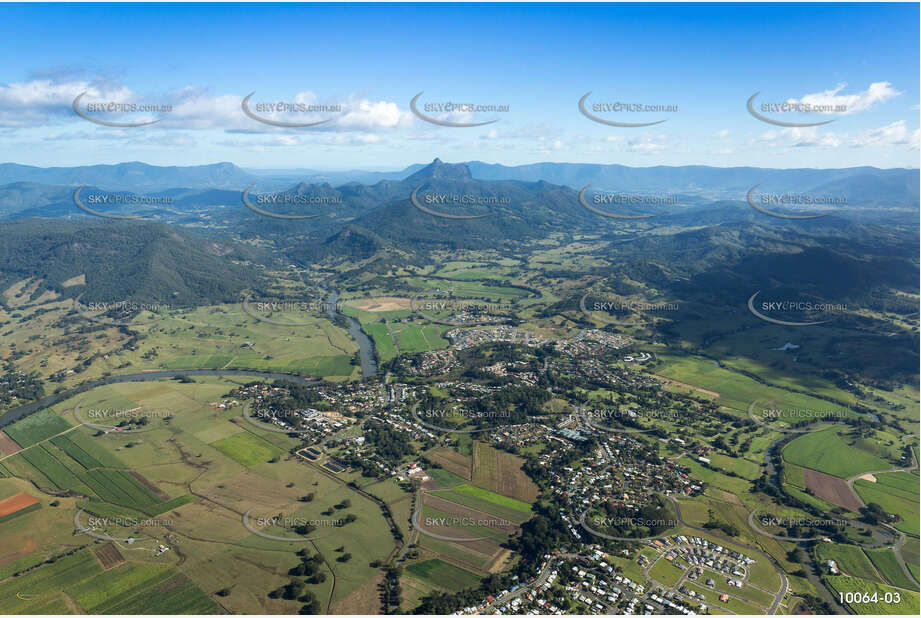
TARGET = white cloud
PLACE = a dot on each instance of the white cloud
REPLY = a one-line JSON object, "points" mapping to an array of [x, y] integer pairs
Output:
{"points": [[877, 92], [893, 134], [801, 137], [647, 143]]}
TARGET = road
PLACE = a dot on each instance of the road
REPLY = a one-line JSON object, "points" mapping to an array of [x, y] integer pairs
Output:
{"points": [[901, 536], [785, 584], [14, 414]]}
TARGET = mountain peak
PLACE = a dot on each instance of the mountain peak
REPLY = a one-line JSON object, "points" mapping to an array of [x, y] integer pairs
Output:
{"points": [[439, 170]]}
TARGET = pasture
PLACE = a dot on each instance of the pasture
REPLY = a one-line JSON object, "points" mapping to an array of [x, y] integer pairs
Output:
{"points": [[443, 574], [827, 452]]}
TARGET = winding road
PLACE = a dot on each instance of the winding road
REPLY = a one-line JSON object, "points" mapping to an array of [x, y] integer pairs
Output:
{"points": [[901, 535], [785, 584]]}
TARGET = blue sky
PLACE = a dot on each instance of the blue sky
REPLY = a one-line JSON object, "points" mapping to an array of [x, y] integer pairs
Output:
{"points": [[539, 60]]}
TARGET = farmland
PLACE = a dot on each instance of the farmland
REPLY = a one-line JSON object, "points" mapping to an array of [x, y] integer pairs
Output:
{"points": [[206, 337], [487, 501], [501, 472], [895, 496], [146, 474], [246, 449], [443, 574], [37, 427], [851, 560], [907, 604], [827, 452], [885, 562]]}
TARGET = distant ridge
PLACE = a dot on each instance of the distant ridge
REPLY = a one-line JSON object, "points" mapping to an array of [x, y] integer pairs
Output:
{"points": [[132, 176]]}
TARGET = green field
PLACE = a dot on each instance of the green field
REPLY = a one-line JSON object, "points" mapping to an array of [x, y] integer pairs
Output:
{"points": [[246, 449], [908, 602], [36, 427], [490, 496], [383, 342], [886, 563], [793, 475], [736, 391], [47, 582], [734, 485], [444, 478], [664, 572], [51, 468], [443, 574], [421, 338], [86, 451], [850, 558], [826, 452], [744, 468], [893, 499], [462, 496], [175, 595]]}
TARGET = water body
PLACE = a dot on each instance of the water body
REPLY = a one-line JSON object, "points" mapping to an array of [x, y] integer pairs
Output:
{"points": [[365, 344], [15, 414]]}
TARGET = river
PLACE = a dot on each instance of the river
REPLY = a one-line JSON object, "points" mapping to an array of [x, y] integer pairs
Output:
{"points": [[365, 352], [365, 345]]}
